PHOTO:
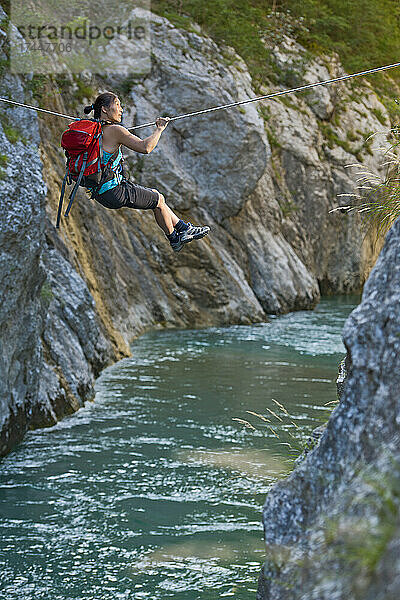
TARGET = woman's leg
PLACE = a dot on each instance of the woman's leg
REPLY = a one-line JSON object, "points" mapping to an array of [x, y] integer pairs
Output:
{"points": [[165, 217]]}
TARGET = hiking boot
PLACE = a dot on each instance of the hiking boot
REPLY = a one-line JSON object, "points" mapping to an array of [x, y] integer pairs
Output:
{"points": [[177, 246], [193, 233]]}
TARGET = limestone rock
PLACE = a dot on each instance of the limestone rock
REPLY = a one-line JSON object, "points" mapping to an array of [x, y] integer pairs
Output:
{"points": [[338, 512], [52, 346], [341, 378], [22, 192]]}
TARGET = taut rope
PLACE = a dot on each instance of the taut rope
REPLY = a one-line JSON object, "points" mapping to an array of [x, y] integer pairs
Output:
{"points": [[225, 106]]}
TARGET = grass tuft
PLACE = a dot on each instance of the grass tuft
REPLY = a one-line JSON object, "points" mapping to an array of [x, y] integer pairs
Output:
{"points": [[12, 134], [377, 197], [284, 428]]}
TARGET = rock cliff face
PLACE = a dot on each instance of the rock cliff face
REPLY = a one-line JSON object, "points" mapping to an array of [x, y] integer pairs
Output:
{"points": [[332, 527], [52, 341], [22, 275], [263, 177]]}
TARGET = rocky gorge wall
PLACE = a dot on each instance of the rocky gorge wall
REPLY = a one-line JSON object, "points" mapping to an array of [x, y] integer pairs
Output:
{"points": [[332, 528], [263, 177]]}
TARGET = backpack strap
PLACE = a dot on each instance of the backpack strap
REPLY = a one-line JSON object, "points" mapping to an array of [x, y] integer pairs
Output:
{"points": [[60, 203], [100, 149], [76, 186]]}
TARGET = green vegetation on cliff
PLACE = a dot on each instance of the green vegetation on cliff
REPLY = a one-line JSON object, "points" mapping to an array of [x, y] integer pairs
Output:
{"points": [[365, 33]]}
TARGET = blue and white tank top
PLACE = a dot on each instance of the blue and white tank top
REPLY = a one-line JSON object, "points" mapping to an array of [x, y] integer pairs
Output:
{"points": [[115, 166]]}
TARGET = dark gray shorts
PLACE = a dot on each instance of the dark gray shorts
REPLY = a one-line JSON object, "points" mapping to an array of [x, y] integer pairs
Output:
{"points": [[129, 195]]}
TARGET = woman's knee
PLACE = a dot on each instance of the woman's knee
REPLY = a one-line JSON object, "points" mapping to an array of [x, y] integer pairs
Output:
{"points": [[161, 199]]}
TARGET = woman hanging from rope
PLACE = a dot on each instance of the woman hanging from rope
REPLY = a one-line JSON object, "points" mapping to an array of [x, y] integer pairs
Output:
{"points": [[119, 192]]}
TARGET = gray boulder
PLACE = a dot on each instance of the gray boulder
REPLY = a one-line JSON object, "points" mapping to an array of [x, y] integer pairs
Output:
{"points": [[332, 527]]}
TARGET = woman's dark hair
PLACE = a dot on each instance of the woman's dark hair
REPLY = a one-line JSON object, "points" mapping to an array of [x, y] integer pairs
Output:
{"points": [[105, 99]]}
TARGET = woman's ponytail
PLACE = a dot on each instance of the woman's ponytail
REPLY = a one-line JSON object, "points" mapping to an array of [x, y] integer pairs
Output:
{"points": [[88, 109]]}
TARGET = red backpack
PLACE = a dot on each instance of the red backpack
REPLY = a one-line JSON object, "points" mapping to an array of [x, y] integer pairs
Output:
{"points": [[83, 149]]}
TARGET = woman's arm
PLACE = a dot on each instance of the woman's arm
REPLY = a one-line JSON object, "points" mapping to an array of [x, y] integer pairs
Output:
{"points": [[122, 136]]}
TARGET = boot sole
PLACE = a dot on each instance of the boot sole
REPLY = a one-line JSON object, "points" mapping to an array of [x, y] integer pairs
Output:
{"points": [[177, 249]]}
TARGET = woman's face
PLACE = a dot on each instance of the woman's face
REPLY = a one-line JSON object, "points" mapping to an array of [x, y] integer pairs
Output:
{"points": [[113, 112]]}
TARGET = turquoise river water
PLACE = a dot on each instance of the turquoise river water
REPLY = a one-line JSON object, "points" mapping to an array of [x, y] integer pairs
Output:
{"points": [[154, 491]]}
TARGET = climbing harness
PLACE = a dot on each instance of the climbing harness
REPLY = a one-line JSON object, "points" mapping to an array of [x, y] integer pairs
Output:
{"points": [[232, 104]]}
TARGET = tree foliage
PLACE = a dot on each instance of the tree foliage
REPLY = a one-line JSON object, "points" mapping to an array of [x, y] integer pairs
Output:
{"points": [[365, 33]]}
